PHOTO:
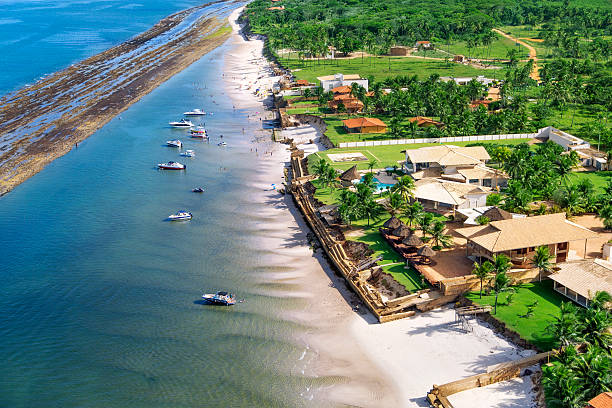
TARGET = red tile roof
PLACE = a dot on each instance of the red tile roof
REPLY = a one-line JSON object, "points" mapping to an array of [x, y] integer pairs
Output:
{"points": [[603, 400], [341, 89], [422, 42], [422, 120], [363, 122]]}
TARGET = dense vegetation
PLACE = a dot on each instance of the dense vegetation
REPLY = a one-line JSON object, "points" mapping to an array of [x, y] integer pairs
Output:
{"points": [[312, 25]]}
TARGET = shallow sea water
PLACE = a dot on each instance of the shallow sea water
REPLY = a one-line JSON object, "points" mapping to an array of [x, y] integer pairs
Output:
{"points": [[99, 301]]}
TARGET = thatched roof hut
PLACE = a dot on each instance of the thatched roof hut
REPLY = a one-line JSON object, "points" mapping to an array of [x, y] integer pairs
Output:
{"points": [[402, 231], [426, 251], [497, 214], [392, 223], [351, 174], [412, 240]]}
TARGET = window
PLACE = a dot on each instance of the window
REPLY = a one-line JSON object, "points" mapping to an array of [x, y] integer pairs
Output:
{"points": [[486, 182], [473, 181]]}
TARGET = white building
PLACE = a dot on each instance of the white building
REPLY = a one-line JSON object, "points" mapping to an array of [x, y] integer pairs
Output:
{"points": [[330, 82], [464, 80]]}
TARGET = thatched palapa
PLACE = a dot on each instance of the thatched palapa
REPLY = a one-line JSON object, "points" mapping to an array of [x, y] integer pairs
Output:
{"points": [[392, 223], [350, 175], [412, 240], [426, 252], [497, 214], [402, 231]]}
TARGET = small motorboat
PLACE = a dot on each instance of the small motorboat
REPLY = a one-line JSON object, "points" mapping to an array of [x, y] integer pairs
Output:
{"points": [[220, 298], [198, 190], [188, 153], [199, 132], [172, 166], [183, 123], [195, 112], [222, 144], [174, 143], [180, 216]]}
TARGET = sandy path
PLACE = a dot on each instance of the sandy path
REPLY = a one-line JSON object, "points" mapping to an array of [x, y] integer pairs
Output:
{"points": [[533, 55]]}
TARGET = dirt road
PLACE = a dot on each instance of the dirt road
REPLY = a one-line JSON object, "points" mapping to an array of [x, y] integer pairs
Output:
{"points": [[533, 55]]}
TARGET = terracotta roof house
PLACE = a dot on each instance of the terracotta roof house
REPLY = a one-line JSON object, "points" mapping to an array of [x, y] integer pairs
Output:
{"points": [[580, 280], [302, 82], [448, 196], [364, 125], [603, 400], [483, 102], [423, 121], [351, 105], [343, 89], [424, 44], [518, 238]]}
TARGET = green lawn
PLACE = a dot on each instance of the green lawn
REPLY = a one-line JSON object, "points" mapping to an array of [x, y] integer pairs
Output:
{"points": [[387, 156], [599, 178], [532, 329], [410, 278], [498, 49], [379, 68]]}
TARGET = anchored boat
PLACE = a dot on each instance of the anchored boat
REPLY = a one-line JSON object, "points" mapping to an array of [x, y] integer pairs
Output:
{"points": [[174, 143], [171, 166], [188, 153], [183, 123], [195, 112], [199, 132], [180, 216], [220, 298]]}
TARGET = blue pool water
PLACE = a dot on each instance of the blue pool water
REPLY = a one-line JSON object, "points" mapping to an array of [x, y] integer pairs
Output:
{"points": [[380, 187]]}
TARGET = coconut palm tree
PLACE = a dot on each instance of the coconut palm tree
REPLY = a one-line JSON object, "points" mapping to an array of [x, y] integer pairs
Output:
{"points": [[482, 272], [424, 222], [605, 215], [405, 188], [371, 164], [395, 204], [412, 212], [320, 167], [541, 260], [440, 239], [501, 281], [372, 210]]}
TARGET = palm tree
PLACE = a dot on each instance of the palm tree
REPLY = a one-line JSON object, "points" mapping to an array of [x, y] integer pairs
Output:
{"points": [[482, 272], [566, 328], [424, 222], [412, 212], [501, 281], [405, 188], [372, 210], [320, 167], [605, 215], [440, 239], [371, 164], [541, 260], [395, 204]]}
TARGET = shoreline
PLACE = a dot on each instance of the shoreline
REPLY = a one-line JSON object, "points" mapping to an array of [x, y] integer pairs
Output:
{"points": [[334, 353], [390, 364], [67, 107]]}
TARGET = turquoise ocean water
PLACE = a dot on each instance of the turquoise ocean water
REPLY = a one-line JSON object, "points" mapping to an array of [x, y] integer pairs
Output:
{"points": [[98, 305]]}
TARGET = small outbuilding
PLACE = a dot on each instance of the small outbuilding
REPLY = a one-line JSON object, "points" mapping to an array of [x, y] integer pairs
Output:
{"points": [[349, 176], [580, 280], [364, 125]]}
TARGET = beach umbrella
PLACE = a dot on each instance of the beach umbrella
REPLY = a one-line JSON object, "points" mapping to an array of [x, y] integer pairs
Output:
{"points": [[392, 223], [412, 240], [426, 252], [402, 231]]}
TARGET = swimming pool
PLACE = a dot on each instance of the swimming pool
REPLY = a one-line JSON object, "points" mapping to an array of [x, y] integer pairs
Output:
{"points": [[380, 187]]}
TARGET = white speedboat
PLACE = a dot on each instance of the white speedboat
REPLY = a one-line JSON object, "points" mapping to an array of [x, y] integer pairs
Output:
{"points": [[220, 298], [199, 132], [183, 123], [174, 143], [188, 153], [195, 112], [172, 166], [222, 144], [180, 216]]}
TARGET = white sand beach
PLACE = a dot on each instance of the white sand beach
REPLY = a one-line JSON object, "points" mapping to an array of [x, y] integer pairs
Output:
{"points": [[389, 365]]}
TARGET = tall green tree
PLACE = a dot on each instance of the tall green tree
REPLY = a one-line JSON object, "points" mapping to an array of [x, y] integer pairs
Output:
{"points": [[541, 260], [482, 272]]}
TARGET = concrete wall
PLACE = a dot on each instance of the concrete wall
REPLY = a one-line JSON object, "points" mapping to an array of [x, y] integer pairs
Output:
{"points": [[479, 138]]}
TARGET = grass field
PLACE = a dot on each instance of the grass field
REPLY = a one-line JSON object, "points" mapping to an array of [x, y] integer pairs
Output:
{"points": [[497, 50], [386, 156], [532, 329], [599, 178], [378, 67]]}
